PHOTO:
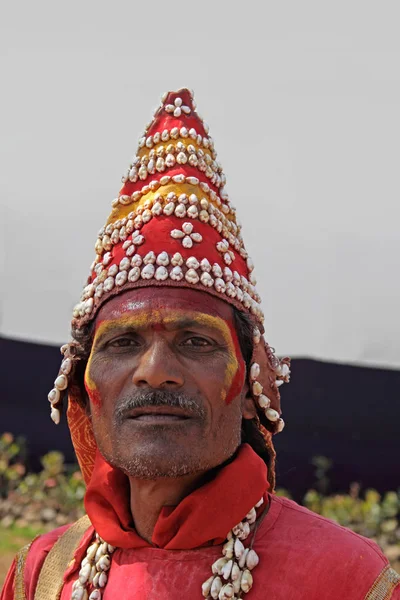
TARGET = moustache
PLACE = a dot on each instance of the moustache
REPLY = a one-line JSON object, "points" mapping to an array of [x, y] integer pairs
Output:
{"points": [[141, 399]]}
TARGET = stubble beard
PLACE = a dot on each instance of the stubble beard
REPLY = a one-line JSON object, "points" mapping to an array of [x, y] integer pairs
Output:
{"points": [[163, 453]]}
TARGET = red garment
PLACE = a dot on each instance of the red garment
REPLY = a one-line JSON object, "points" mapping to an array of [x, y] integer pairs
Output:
{"points": [[302, 555]]}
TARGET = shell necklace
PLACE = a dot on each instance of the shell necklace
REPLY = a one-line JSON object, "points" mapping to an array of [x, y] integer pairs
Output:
{"points": [[231, 574]]}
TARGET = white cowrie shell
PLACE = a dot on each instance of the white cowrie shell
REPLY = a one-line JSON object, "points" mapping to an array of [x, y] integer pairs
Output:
{"points": [[61, 383], [204, 216], [236, 572], [238, 548], [161, 273], [187, 242], [227, 549], [263, 401], [169, 209], [242, 559], [280, 425], [216, 588], [252, 559], [206, 587], [108, 284], [217, 271], [246, 581], [157, 209], [54, 396], [177, 260], [170, 160], [219, 285], [181, 158], [192, 212], [192, 263], [79, 593], [205, 265], [285, 370], [177, 234], [218, 565], [191, 276], [163, 259], [91, 551], [226, 571], [150, 258], [254, 371], [196, 237], [124, 264], [257, 388], [180, 211], [121, 278], [187, 228], [136, 260], [55, 415], [179, 178], [227, 592], [130, 251], [137, 238], [148, 271], [107, 258], [176, 274], [104, 563], [84, 573], [206, 279], [112, 271], [134, 274]]}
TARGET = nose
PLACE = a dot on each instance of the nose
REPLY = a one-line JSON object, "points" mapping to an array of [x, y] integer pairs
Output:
{"points": [[158, 368]]}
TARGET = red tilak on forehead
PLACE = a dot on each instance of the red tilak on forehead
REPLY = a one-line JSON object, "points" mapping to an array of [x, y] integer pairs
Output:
{"points": [[155, 298]]}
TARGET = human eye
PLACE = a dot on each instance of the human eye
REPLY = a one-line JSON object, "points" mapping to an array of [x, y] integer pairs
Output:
{"points": [[123, 342], [196, 341]]}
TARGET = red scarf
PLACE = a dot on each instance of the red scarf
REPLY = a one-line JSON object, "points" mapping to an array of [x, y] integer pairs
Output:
{"points": [[203, 518]]}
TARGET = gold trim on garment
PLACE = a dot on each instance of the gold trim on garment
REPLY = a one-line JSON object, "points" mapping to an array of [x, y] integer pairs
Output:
{"points": [[384, 585], [51, 578], [20, 560]]}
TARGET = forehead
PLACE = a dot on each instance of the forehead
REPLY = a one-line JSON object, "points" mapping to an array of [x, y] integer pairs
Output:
{"points": [[153, 304]]}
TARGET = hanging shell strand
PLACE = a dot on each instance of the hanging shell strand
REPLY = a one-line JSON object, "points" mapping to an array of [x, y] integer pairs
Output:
{"points": [[93, 571], [282, 372], [232, 572], [55, 396]]}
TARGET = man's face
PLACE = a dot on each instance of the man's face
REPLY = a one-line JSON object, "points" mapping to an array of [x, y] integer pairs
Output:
{"points": [[166, 382]]}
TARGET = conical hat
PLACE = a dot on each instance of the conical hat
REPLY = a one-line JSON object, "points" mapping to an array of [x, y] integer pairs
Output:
{"points": [[173, 224]]}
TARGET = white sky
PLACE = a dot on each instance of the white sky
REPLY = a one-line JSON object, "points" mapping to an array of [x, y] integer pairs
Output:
{"points": [[302, 99]]}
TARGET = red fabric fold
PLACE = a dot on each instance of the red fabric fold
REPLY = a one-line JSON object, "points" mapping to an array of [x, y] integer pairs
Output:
{"points": [[203, 518]]}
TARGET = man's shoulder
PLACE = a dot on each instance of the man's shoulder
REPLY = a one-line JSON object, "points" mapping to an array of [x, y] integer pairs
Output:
{"points": [[40, 547], [307, 527], [318, 555]]}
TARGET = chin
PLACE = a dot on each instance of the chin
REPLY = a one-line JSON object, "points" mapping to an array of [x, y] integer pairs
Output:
{"points": [[155, 463]]}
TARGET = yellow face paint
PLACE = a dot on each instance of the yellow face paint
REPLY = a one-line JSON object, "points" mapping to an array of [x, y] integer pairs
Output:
{"points": [[169, 319]]}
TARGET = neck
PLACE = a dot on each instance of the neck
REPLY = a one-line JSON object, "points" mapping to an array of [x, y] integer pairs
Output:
{"points": [[148, 497]]}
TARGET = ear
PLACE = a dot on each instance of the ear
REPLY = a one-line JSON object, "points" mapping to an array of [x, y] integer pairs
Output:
{"points": [[249, 410]]}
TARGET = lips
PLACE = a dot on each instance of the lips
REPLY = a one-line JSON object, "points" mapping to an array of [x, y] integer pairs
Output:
{"points": [[158, 414]]}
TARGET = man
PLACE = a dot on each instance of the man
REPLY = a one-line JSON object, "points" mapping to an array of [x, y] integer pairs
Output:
{"points": [[173, 397]]}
